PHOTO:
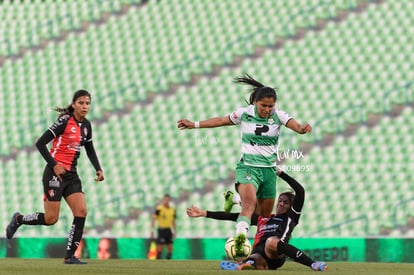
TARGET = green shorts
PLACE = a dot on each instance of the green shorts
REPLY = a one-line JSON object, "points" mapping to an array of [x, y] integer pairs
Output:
{"points": [[263, 178]]}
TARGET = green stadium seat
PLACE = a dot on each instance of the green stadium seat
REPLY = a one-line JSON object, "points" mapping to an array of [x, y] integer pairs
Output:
{"points": [[135, 149]]}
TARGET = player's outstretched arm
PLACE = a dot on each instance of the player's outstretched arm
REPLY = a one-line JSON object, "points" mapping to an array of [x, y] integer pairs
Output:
{"points": [[297, 187], [209, 123], [299, 128], [195, 212]]}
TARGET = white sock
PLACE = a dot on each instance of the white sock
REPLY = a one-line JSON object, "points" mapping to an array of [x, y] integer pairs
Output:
{"points": [[236, 199]]}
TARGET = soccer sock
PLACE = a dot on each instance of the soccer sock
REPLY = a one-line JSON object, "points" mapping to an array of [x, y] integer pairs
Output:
{"points": [[294, 253], [242, 225], [32, 219], [169, 256], [75, 235], [236, 199]]}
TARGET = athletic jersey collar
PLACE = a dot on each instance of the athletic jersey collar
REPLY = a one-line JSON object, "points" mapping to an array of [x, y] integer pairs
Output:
{"points": [[260, 118], [77, 121]]}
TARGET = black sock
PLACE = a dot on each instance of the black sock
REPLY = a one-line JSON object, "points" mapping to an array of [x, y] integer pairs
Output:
{"points": [[294, 253], [75, 236], [169, 256], [32, 219]]}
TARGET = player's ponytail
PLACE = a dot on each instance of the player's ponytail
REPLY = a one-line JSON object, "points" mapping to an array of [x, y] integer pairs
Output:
{"points": [[69, 109], [63, 110], [259, 90]]}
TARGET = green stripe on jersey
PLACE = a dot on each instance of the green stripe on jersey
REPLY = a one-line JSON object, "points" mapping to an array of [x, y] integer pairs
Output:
{"points": [[259, 140], [259, 160]]}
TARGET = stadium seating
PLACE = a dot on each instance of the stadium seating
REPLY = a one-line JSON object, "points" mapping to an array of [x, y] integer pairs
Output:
{"points": [[350, 63], [25, 24], [367, 172], [140, 51], [340, 181]]}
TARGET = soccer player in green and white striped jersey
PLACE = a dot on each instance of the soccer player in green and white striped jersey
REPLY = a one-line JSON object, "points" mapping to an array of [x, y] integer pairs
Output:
{"points": [[260, 125]]}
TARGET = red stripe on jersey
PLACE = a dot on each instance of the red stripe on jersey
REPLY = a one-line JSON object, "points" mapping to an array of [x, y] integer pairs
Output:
{"points": [[261, 222], [66, 147]]}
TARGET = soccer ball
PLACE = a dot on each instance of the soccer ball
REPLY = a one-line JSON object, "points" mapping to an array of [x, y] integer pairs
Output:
{"points": [[231, 253]]}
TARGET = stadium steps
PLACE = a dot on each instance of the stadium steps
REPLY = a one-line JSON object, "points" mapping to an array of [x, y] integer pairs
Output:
{"points": [[235, 62], [194, 84], [64, 33], [67, 59], [138, 220], [184, 201], [230, 65]]}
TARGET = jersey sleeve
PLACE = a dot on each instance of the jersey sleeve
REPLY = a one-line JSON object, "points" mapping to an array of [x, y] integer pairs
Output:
{"points": [[299, 199], [283, 116], [235, 116], [41, 145], [59, 126], [224, 216], [89, 135], [91, 153], [221, 215], [90, 149]]}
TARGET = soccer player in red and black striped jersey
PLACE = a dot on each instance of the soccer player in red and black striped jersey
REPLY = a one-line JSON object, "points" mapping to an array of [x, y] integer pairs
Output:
{"points": [[271, 242], [69, 133]]}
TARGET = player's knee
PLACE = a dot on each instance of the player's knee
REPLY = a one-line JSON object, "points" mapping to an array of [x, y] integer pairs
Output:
{"points": [[51, 220], [247, 191], [271, 244], [81, 213], [249, 203]]}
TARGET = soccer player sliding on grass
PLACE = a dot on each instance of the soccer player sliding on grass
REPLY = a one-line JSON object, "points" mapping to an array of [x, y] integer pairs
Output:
{"points": [[271, 243], [260, 125]]}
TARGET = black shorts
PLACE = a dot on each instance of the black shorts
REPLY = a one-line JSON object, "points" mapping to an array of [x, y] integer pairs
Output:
{"points": [[271, 263], [55, 189], [165, 236]]}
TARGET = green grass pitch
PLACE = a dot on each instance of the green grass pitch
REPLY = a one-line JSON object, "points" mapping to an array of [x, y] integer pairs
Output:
{"points": [[11, 266]]}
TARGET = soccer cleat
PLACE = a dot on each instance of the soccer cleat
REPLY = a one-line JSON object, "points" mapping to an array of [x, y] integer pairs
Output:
{"points": [[319, 266], [239, 241], [13, 226], [73, 260], [228, 201], [226, 265]]}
